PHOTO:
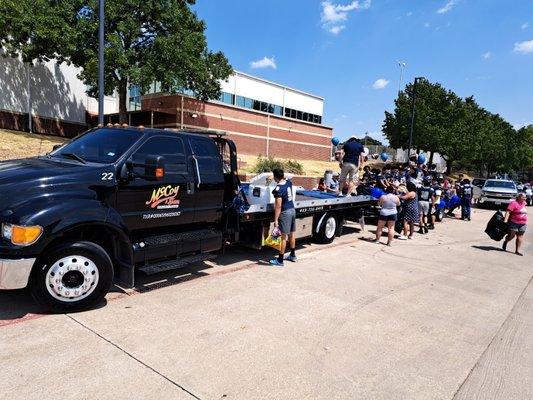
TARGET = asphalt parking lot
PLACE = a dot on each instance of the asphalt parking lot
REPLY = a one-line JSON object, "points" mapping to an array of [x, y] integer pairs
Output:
{"points": [[444, 316]]}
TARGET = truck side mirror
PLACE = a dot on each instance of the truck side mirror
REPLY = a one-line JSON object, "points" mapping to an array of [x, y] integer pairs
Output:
{"points": [[56, 146], [154, 168]]}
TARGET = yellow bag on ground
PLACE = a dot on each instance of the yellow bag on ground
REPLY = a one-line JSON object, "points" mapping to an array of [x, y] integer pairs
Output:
{"points": [[273, 242]]}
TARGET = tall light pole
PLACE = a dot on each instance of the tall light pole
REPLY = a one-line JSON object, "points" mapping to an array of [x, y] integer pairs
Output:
{"points": [[412, 118], [402, 65], [101, 85]]}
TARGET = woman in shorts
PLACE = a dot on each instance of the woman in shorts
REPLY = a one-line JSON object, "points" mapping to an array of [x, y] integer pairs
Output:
{"points": [[516, 217], [388, 214]]}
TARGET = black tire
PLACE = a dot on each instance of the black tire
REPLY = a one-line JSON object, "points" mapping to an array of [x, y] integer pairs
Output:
{"points": [[90, 251], [439, 215], [328, 229]]}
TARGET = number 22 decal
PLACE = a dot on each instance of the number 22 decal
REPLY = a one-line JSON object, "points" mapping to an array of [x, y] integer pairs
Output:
{"points": [[107, 176]]}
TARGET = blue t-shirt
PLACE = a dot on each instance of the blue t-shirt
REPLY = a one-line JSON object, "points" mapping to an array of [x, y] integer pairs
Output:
{"points": [[286, 194], [352, 150]]}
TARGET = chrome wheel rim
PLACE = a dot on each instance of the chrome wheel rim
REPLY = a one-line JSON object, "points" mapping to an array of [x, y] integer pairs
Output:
{"points": [[72, 278], [331, 226]]}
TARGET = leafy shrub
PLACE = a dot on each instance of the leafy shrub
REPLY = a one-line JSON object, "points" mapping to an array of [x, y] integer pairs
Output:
{"points": [[294, 167], [267, 164]]}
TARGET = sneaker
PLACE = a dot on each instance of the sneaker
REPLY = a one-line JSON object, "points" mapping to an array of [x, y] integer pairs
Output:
{"points": [[291, 258], [275, 262], [431, 226], [409, 237], [426, 229], [402, 237], [504, 245], [421, 230]]}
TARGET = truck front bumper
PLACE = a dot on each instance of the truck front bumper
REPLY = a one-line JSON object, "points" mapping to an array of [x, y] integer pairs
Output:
{"points": [[14, 274]]}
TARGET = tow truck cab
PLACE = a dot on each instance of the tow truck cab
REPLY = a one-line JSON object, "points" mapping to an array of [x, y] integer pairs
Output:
{"points": [[108, 202]]}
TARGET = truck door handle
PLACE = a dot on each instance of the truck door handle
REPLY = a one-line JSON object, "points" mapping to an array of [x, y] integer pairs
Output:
{"points": [[197, 171]]}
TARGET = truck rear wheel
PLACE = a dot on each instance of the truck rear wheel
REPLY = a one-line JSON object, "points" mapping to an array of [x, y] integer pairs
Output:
{"points": [[73, 277], [439, 214], [327, 230]]}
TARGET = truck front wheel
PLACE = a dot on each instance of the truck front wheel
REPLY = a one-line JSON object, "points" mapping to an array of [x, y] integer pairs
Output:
{"points": [[73, 277]]}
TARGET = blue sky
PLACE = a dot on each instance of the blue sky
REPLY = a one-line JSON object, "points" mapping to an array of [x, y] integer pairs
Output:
{"points": [[347, 51]]}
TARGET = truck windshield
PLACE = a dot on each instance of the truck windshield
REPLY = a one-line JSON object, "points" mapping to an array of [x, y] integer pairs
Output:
{"points": [[103, 145], [501, 184]]}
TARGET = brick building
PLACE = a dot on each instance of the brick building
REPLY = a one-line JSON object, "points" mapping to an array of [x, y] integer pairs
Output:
{"points": [[262, 117]]}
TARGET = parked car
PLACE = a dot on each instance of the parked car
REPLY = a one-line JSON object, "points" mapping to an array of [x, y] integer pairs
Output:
{"points": [[497, 192]]}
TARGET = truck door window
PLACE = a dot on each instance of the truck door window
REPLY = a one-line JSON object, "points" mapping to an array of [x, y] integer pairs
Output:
{"points": [[208, 158], [170, 148]]}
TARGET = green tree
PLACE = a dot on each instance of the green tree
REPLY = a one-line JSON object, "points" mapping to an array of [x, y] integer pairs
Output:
{"points": [[145, 41], [465, 134]]}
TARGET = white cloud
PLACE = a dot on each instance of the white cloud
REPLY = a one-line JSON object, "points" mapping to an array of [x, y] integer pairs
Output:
{"points": [[486, 55], [265, 62], [525, 47], [427, 25], [337, 29], [409, 13], [447, 7], [334, 14], [380, 83], [525, 25]]}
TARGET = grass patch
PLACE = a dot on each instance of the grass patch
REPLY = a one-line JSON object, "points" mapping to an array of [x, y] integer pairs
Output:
{"points": [[15, 144]]}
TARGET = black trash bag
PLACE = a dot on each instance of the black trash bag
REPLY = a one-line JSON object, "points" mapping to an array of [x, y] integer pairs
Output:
{"points": [[398, 226], [496, 228]]}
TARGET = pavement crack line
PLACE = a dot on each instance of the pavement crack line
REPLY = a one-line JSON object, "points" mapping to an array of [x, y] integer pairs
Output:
{"points": [[134, 358], [493, 339]]}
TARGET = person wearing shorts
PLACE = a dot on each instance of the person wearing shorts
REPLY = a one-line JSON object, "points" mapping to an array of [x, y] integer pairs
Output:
{"points": [[351, 160], [425, 197], [388, 214], [516, 217], [284, 217]]}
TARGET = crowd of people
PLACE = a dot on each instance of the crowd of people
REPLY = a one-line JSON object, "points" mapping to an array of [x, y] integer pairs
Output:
{"points": [[410, 194]]}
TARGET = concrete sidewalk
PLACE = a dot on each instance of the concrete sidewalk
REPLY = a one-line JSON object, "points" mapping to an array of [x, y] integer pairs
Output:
{"points": [[444, 315]]}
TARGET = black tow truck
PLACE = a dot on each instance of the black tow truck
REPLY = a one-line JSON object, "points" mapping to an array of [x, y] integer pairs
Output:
{"points": [[118, 200]]}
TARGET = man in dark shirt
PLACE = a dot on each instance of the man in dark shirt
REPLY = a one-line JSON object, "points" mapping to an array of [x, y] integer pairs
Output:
{"points": [[351, 160], [284, 217]]}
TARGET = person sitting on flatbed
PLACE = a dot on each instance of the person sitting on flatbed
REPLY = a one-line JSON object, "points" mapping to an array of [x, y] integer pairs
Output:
{"points": [[284, 217]]}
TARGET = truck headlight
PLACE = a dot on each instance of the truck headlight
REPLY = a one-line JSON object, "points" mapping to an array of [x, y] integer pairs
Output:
{"points": [[21, 235]]}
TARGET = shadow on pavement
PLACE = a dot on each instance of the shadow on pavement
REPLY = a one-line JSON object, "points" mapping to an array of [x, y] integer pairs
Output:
{"points": [[487, 248]]}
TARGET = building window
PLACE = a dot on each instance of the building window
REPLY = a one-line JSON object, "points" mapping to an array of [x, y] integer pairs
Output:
{"points": [[227, 98], [240, 101], [288, 112], [264, 106], [278, 110], [256, 105]]}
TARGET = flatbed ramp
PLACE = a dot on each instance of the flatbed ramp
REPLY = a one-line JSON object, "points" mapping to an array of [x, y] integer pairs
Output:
{"points": [[311, 200]]}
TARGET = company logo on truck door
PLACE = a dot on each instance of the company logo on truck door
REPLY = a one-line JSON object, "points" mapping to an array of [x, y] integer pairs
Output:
{"points": [[164, 197]]}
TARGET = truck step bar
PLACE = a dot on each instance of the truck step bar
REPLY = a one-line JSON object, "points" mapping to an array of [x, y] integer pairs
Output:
{"points": [[151, 269]]}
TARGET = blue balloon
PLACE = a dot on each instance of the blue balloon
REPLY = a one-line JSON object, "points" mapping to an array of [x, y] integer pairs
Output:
{"points": [[335, 141], [421, 159], [384, 156], [376, 193]]}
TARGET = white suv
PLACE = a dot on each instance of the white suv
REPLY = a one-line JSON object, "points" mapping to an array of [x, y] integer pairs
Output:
{"points": [[498, 192]]}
